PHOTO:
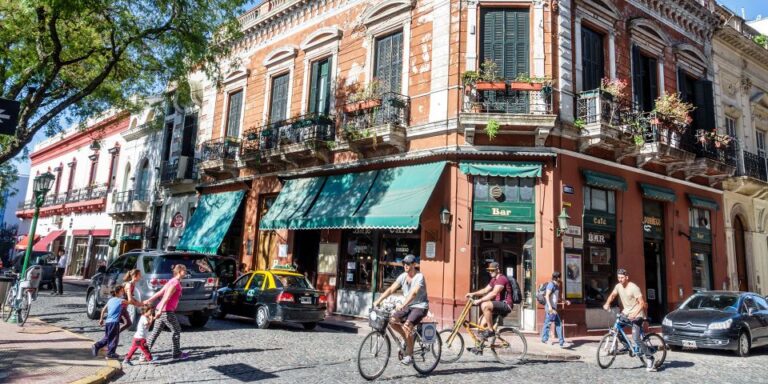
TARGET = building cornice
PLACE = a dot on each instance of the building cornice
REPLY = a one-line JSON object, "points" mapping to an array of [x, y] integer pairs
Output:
{"points": [[686, 16]]}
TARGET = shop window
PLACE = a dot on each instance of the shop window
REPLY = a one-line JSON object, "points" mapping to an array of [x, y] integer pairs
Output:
{"points": [[357, 263], [394, 247], [702, 270], [699, 218], [596, 199], [513, 189], [599, 267]]}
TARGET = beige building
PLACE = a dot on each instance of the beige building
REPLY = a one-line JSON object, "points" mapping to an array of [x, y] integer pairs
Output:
{"points": [[741, 87]]}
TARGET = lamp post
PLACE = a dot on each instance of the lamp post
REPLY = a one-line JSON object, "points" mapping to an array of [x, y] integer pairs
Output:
{"points": [[40, 187]]}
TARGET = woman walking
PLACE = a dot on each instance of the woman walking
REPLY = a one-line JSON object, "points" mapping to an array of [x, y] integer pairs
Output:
{"points": [[165, 312]]}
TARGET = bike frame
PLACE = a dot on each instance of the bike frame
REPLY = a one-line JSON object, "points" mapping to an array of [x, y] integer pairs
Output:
{"points": [[618, 329], [469, 326]]}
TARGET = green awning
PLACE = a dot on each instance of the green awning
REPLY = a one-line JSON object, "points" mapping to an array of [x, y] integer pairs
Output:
{"points": [[703, 202], [503, 227], [604, 180], [654, 192], [210, 222], [294, 201], [337, 202], [500, 168]]}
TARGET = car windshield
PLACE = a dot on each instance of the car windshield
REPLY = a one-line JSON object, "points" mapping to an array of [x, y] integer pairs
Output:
{"points": [[197, 265], [292, 281], [717, 302]]}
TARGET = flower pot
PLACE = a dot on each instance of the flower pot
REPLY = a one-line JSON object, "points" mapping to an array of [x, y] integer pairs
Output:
{"points": [[362, 105], [525, 86], [491, 86]]}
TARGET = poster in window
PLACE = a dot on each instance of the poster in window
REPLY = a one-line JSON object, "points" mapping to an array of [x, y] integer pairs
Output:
{"points": [[600, 255], [327, 258], [573, 276]]}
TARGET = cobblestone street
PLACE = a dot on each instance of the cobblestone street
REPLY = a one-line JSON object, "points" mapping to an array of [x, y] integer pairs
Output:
{"points": [[233, 350]]}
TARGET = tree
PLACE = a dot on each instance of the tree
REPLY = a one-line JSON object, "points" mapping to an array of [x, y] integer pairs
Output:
{"points": [[66, 60]]}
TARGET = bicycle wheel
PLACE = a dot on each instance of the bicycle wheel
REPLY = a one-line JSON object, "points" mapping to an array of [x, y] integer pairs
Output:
{"points": [[9, 299], [656, 347], [426, 356], [509, 346], [606, 351], [26, 305], [373, 355], [452, 348]]}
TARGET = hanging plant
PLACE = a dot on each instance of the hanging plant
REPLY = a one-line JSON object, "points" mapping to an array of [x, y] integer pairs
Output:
{"points": [[492, 129], [673, 113]]}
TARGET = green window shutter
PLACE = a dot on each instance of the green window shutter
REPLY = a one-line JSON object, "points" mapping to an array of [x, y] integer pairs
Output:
{"points": [[313, 87], [389, 62], [233, 117], [637, 76], [324, 88], [493, 38], [704, 113], [506, 40], [279, 105], [522, 45]]}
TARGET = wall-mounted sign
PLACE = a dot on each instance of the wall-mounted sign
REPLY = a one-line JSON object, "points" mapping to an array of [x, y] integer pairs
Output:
{"points": [[598, 238], [568, 189], [177, 221], [431, 249], [653, 227], [573, 276], [282, 250], [327, 258], [496, 192], [578, 243], [599, 220], [573, 230], [701, 235], [505, 212], [567, 242]]}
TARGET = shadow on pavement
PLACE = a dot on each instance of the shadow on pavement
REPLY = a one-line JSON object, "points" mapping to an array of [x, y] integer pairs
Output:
{"points": [[243, 372], [196, 354], [675, 364]]}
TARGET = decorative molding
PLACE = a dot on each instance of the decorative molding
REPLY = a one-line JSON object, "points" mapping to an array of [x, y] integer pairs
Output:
{"points": [[691, 59], [320, 37], [689, 17], [385, 10], [649, 36], [280, 54]]}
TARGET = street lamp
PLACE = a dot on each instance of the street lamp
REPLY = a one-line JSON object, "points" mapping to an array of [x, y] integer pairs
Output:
{"points": [[562, 222], [40, 187], [445, 217]]}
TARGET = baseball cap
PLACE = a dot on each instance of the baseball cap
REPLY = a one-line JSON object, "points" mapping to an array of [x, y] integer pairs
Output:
{"points": [[493, 266], [409, 259], [556, 275], [622, 271]]}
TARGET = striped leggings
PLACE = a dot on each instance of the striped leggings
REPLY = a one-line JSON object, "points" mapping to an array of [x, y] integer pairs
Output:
{"points": [[171, 322]]}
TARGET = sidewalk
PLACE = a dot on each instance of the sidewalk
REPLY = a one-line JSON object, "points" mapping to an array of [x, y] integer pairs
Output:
{"points": [[42, 353], [77, 281], [577, 348]]}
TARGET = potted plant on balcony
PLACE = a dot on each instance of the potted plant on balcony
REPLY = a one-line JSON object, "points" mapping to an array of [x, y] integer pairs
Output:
{"points": [[492, 129], [365, 98], [489, 79], [523, 82], [706, 137], [613, 89], [672, 113]]}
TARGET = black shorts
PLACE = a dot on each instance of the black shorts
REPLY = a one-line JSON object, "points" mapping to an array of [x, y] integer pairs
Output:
{"points": [[501, 308], [412, 315]]}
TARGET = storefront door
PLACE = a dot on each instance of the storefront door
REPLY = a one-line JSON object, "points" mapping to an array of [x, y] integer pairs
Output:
{"points": [[306, 245], [79, 253], [653, 251]]}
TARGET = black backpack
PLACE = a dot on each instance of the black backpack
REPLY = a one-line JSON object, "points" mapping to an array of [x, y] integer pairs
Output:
{"points": [[517, 296], [541, 293]]}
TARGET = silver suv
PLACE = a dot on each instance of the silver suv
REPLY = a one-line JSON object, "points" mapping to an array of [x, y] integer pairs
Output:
{"points": [[198, 298]]}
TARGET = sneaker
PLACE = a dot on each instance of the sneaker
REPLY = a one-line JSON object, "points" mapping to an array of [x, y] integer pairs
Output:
{"points": [[487, 334], [127, 362], [408, 360], [113, 356], [650, 365], [94, 351], [182, 356]]}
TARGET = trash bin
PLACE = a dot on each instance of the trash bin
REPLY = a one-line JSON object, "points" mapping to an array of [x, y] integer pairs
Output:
{"points": [[5, 282]]}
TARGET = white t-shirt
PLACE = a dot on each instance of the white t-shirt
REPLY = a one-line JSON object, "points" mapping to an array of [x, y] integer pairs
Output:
{"points": [[142, 329]]}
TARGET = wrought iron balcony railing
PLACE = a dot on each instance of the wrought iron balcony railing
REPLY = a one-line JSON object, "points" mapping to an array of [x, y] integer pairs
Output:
{"points": [[124, 201], [754, 166], [81, 194], [224, 148], [182, 168], [390, 108], [524, 102], [596, 106], [302, 129]]}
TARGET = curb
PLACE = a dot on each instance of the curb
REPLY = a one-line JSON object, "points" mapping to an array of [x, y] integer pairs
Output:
{"points": [[552, 357], [340, 327], [103, 375]]}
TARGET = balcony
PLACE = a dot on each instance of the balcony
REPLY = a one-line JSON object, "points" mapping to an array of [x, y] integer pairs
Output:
{"points": [[291, 142], [751, 178], [179, 174], [375, 124], [129, 205], [602, 127], [220, 157], [517, 112], [90, 198]]}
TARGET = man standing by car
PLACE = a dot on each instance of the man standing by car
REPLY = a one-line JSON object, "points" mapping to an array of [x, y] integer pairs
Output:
{"points": [[61, 265], [414, 307], [633, 309]]}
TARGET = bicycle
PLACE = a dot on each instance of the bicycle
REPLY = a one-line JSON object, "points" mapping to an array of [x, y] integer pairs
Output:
{"points": [[376, 346], [608, 348], [20, 295], [508, 344]]}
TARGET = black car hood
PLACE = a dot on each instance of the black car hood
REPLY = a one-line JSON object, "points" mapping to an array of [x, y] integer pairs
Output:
{"points": [[699, 316]]}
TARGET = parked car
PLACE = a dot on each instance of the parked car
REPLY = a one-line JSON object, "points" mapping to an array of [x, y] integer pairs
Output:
{"points": [[225, 268], [736, 321], [198, 299], [273, 295], [46, 261]]}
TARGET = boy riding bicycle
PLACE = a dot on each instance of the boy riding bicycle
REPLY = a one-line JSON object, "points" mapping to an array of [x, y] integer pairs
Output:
{"points": [[491, 301]]}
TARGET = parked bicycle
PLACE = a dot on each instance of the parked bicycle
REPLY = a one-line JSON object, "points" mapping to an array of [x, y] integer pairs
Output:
{"points": [[617, 342], [374, 353], [508, 344], [20, 295]]}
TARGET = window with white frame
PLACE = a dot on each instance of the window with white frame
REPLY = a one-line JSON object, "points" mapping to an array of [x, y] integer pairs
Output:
{"points": [[730, 126], [233, 115], [760, 137], [278, 109]]}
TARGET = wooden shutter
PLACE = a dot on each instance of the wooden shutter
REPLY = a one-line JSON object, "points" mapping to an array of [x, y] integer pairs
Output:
{"points": [[637, 77], [278, 109], [233, 117], [320, 87], [189, 135], [653, 80], [704, 114], [592, 62], [313, 87], [506, 40], [388, 67]]}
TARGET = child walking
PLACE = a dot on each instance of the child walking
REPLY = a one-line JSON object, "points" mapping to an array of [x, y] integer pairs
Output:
{"points": [[113, 311], [140, 337]]}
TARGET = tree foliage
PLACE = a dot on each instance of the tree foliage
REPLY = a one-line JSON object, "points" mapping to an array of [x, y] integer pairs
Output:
{"points": [[79, 58]]}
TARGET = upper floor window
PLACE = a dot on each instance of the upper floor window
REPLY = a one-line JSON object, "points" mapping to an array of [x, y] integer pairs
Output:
{"points": [[730, 126], [699, 218], [320, 90], [71, 181], [513, 189], [645, 83], [760, 136], [233, 115], [596, 199], [505, 40], [592, 59], [388, 66], [278, 108], [94, 169]]}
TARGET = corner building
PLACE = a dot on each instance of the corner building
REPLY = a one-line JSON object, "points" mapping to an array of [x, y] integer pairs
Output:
{"points": [[348, 134]]}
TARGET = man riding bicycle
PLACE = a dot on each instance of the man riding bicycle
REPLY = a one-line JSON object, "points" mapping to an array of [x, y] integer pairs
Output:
{"points": [[491, 301], [633, 310], [413, 309]]}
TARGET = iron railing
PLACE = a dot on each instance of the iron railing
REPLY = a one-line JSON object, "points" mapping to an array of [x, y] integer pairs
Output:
{"points": [[123, 201], [535, 102], [390, 108], [81, 194], [171, 173], [303, 129], [754, 166], [223, 148], [596, 106]]}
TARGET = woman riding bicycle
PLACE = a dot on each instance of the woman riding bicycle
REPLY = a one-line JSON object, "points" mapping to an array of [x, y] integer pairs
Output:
{"points": [[414, 307]]}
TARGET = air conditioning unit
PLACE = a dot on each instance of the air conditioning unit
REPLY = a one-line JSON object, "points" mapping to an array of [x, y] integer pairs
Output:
{"points": [[181, 171]]}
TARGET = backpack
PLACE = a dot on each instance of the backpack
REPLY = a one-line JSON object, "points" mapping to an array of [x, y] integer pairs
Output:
{"points": [[541, 293], [517, 296]]}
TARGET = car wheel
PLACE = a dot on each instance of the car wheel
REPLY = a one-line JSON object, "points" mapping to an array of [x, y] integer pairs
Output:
{"points": [[309, 326], [219, 314], [742, 348], [198, 319], [262, 317], [91, 307]]}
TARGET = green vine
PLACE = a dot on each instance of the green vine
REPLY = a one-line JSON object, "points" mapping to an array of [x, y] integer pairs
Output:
{"points": [[579, 124], [492, 129]]}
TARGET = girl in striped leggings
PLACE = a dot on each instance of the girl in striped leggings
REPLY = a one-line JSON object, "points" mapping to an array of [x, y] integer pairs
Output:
{"points": [[165, 312]]}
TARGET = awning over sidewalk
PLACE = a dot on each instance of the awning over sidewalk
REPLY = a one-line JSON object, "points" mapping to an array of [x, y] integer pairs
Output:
{"points": [[42, 245], [22, 244], [654, 192], [386, 198], [703, 202], [500, 168], [604, 180], [210, 222]]}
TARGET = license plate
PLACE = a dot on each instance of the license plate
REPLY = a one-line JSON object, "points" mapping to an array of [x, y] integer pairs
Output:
{"points": [[428, 333], [689, 343], [306, 300]]}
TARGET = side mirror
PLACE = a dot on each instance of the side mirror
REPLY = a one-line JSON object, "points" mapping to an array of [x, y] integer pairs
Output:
{"points": [[101, 269]]}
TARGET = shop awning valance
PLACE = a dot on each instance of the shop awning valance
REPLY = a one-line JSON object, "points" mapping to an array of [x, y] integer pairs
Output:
{"points": [[388, 198], [654, 192], [503, 227], [500, 168], [703, 202], [42, 245], [604, 180], [210, 222]]}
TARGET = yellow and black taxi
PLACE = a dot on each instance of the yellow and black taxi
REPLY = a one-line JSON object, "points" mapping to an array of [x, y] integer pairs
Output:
{"points": [[273, 295]]}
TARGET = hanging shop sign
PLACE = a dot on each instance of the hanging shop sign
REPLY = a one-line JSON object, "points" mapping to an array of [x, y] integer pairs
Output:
{"points": [[495, 211], [701, 235], [653, 227], [599, 220]]}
